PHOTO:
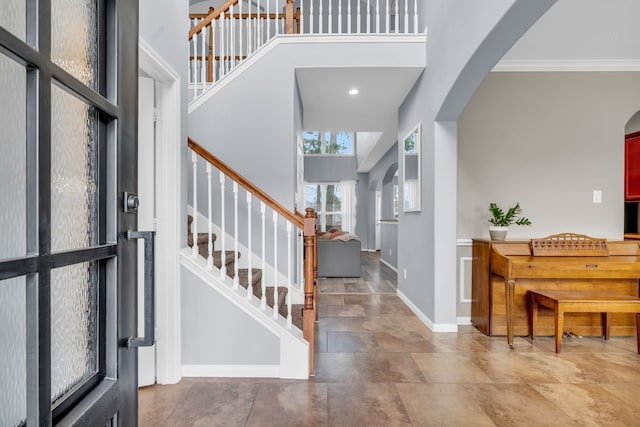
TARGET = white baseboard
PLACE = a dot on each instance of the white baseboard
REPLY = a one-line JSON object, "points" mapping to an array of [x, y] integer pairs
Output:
{"points": [[239, 371], [434, 327], [464, 320], [388, 265]]}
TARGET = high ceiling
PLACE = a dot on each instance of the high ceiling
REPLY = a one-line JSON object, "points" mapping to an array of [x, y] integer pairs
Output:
{"points": [[329, 106]]}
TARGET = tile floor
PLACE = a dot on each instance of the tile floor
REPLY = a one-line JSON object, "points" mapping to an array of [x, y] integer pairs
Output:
{"points": [[377, 364]]}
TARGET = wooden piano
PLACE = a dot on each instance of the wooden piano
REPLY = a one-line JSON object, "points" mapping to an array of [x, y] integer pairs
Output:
{"points": [[503, 272]]}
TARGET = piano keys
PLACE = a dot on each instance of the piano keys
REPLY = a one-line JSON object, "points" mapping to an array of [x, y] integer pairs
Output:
{"points": [[502, 273]]}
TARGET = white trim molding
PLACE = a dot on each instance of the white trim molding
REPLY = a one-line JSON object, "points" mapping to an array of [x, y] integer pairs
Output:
{"points": [[464, 320], [238, 371], [168, 345], [517, 65], [462, 278], [388, 265], [434, 327]]}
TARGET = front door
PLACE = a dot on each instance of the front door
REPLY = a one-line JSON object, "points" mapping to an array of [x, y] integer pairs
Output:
{"points": [[68, 89]]}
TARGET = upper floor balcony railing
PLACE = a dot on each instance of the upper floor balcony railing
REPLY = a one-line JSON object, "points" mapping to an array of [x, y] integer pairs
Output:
{"points": [[223, 38]]}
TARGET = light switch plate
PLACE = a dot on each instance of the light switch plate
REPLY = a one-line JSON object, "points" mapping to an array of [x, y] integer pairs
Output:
{"points": [[597, 196]]}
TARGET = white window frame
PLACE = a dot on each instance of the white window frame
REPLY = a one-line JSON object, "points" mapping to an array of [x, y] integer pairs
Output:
{"points": [[322, 214]]}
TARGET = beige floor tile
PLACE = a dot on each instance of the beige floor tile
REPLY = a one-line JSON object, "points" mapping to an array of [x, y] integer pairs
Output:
{"points": [[517, 405], [394, 340], [442, 405], [351, 342], [388, 368], [214, 404], [346, 310], [336, 367], [449, 368], [590, 404], [368, 405], [296, 404]]}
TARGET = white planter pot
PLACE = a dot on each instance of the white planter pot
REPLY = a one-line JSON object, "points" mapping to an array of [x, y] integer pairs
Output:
{"points": [[498, 233]]}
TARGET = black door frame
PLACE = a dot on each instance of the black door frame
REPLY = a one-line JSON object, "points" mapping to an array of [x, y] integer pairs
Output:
{"points": [[112, 392]]}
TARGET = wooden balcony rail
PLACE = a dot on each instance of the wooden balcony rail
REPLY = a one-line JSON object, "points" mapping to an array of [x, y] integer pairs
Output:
{"points": [[306, 224]]}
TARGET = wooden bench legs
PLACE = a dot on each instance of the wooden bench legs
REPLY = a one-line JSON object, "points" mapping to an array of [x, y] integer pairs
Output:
{"points": [[582, 302]]}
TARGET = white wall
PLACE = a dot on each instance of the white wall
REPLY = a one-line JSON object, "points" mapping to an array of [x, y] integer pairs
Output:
{"points": [[546, 140]]}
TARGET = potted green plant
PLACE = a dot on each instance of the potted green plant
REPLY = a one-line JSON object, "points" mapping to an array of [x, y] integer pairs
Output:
{"points": [[501, 220]]}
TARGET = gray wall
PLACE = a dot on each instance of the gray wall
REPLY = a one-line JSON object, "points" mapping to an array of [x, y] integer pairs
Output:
{"points": [[217, 332], [546, 140], [481, 32], [383, 172]]}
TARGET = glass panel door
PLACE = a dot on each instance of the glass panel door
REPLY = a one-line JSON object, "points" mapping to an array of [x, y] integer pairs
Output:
{"points": [[68, 82]]}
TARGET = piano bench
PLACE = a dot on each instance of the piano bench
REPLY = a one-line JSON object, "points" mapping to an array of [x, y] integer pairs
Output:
{"points": [[582, 302]]}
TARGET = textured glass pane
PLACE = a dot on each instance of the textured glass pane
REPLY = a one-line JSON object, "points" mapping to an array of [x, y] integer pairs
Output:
{"points": [[74, 217], [74, 323], [74, 38], [13, 352], [12, 158], [13, 17]]}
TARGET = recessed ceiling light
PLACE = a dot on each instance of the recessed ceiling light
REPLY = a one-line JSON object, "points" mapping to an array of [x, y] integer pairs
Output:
{"points": [[354, 91]]}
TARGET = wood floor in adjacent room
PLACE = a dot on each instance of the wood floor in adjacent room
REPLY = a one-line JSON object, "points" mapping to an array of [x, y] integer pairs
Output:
{"points": [[377, 364]]}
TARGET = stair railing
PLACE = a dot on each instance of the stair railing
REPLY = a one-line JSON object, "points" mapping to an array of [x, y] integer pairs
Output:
{"points": [[222, 39], [281, 219]]}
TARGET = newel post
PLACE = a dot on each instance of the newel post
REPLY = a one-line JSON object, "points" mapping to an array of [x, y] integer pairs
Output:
{"points": [[288, 20], [315, 266], [308, 316]]}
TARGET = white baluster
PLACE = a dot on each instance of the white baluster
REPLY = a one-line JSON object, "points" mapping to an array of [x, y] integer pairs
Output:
{"points": [[397, 19], [320, 18], [249, 250], [236, 279], [311, 16], [415, 16], [301, 22], [222, 49], [241, 24], [406, 17], [194, 70], [249, 32], [194, 224], [268, 20], [214, 41], [289, 271], [263, 302], [330, 17], [359, 18], [388, 12], [340, 16], [368, 16], [203, 68], [275, 265], [210, 219], [349, 16], [223, 232], [232, 39], [277, 21]]}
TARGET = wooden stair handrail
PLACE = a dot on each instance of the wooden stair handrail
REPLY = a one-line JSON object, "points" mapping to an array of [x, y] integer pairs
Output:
{"points": [[213, 15], [246, 184], [225, 7]]}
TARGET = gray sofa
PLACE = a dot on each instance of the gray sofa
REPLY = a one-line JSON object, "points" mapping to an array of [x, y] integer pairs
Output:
{"points": [[339, 258]]}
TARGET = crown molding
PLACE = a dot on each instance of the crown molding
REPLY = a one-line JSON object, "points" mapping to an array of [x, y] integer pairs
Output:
{"points": [[567, 65]]}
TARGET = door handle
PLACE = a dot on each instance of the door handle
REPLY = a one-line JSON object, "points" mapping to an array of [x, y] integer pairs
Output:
{"points": [[149, 309]]}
